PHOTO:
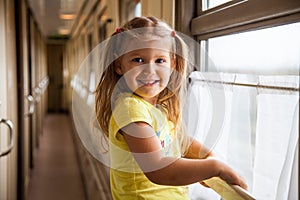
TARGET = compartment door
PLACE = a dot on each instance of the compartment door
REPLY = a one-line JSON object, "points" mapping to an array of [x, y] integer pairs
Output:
{"points": [[8, 102]]}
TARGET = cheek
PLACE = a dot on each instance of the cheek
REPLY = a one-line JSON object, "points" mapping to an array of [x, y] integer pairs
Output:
{"points": [[165, 77], [131, 75], [132, 71], [165, 73]]}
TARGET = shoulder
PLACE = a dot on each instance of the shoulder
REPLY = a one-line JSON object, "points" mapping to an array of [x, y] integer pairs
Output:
{"points": [[129, 103], [129, 108]]}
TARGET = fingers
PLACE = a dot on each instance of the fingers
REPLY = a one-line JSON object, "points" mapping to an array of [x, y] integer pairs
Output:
{"points": [[231, 177], [243, 183]]}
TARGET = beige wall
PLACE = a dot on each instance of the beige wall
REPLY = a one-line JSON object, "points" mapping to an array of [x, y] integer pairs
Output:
{"points": [[112, 13], [163, 9]]}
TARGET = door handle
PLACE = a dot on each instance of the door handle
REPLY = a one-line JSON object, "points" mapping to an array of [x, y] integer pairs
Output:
{"points": [[31, 105], [11, 136], [38, 93]]}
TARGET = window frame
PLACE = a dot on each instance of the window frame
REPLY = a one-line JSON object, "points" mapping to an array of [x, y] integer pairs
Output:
{"points": [[243, 15]]}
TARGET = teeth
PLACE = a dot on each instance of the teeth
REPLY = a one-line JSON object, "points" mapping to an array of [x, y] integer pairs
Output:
{"points": [[147, 82]]}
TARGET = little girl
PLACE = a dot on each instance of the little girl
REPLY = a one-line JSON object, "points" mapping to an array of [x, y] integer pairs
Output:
{"points": [[138, 105]]}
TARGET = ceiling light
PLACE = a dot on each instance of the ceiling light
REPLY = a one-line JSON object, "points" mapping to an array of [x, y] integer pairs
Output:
{"points": [[63, 31], [67, 16]]}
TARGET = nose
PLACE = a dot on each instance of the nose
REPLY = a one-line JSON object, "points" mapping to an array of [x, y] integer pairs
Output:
{"points": [[149, 68]]}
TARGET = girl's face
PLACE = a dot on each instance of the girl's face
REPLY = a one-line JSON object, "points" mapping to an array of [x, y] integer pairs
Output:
{"points": [[146, 72]]}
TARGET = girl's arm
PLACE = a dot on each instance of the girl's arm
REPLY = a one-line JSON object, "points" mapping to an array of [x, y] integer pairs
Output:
{"points": [[197, 151], [147, 150]]}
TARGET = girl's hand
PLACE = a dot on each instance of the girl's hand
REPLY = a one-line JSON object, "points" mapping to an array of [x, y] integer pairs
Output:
{"points": [[199, 151], [227, 174], [230, 176]]}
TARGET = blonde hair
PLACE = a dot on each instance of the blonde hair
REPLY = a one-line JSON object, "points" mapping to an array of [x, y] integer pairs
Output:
{"points": [[171, 100]]}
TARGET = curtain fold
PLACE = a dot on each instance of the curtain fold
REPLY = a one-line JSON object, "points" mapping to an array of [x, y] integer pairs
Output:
{"points": [[293, 190], [242, 129]]}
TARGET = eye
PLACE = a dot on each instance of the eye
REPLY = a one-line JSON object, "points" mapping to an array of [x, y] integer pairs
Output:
{"points": [[160, 60], [138, 60]]}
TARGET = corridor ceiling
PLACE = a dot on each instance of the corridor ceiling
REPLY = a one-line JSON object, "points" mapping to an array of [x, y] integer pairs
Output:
{"points": [[55, 18]]}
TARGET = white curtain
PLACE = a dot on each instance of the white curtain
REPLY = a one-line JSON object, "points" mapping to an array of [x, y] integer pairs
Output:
{"points": [[207, 116], [259, 132], [276, 138]]}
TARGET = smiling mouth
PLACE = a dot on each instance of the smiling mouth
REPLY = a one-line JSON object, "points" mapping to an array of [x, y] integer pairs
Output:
{"points": [[148, 82]]}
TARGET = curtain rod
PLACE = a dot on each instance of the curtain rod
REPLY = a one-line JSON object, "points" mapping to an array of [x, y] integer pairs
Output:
{"points": [[294, 89]]}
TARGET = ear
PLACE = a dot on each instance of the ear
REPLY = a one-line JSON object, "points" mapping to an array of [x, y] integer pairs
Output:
{"points": [[119, 70]]}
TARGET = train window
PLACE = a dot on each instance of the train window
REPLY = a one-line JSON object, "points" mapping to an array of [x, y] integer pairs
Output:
{"points": [[250, 54], [273, 50], [207, 4]]}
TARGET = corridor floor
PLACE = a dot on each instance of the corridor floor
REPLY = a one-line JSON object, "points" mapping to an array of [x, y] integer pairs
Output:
{"points": [[56, 173]]}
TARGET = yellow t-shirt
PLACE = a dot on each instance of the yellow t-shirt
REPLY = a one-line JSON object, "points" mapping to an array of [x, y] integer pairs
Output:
{"points": [[126, 178]]}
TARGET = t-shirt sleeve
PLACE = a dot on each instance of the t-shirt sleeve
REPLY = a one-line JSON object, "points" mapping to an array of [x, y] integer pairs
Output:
{"points": [[129, 110]]}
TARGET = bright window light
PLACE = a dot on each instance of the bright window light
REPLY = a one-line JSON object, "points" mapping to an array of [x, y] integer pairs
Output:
{"points": [[268, 51]]}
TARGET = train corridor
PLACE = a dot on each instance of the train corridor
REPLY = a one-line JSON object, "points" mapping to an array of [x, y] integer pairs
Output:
{"points": [[56, 173]]}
